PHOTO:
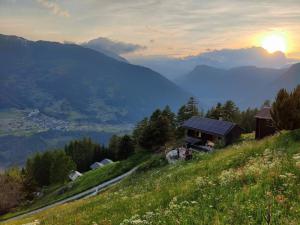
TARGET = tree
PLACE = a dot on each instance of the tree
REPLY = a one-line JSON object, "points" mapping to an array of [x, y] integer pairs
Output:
{"points": [[286, 110], [29, 182], [266, 103], [39, 168], [281, 111], [215, 112], [230, 111], [247, 120], [82, 152], [167, 112], [139, 129], [192, 107], [171, 117], [184, 113], [11, 193], [125, 147], [159, 130], [61, 167], [113, 146], [46, 168], [296, 107]]}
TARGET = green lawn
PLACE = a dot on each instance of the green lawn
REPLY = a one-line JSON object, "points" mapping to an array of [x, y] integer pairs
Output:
{"points": [[253, 182], [88, 180]]}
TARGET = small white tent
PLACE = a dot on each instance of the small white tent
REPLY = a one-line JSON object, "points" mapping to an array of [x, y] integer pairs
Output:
{"points": [[106, 161], [74, 175], [96, 165]]}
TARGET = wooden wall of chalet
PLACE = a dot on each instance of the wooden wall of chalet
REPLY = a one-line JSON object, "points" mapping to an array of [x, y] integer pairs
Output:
{"points": [[264, 128], [233, 135]]}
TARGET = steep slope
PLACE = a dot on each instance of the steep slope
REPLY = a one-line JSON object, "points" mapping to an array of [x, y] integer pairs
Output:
{"points": [[290, 79], [212, 84], [250, 183], [69, 81]]}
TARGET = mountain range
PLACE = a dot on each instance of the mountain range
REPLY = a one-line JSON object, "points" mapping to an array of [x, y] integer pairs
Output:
{"points": [[248, 86], [172, 67], [68, 81], [51, 93]]}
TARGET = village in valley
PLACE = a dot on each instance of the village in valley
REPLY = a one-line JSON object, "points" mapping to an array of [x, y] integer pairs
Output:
{"points": [[32, 121]]}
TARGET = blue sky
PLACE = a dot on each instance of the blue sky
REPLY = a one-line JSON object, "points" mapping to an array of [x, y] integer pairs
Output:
{"points": [[163, 27]]}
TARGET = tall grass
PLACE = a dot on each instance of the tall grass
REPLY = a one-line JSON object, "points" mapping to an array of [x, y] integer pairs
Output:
{"points": [[89, 179], [253, 182]]}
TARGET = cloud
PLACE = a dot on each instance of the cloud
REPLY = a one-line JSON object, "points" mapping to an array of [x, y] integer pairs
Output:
{"points": [[224, 58], [54, 8], [107, 45]]}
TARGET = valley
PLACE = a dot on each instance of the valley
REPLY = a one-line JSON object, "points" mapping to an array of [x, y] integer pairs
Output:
{"points": [[152, 112]]}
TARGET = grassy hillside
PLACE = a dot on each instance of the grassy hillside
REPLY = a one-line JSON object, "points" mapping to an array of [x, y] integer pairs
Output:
{"points": [[88, 180], [249, 183]]}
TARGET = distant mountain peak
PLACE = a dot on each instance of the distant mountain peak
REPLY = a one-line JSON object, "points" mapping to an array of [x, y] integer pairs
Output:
{"points": [[111, 48]]}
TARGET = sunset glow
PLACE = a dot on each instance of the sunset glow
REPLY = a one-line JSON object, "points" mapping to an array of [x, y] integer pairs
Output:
{"points": [[274, 42]]}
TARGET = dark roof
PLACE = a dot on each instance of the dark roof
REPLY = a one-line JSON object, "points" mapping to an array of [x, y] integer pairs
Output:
{"points": [[264, 113], [209, 126]]}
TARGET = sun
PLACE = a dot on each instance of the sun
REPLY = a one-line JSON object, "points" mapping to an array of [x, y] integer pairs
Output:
{"points": [[274, 42]]}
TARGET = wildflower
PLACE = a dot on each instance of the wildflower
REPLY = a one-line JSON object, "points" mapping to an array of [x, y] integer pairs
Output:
{"points": [[201, 181], [291, 175], [269, 194], [36, 222], [280, 198], [282, 176], [227, 176], [296, 157]]}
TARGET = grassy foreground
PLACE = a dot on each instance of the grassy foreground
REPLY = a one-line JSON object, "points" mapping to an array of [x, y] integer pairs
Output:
{"points": [[249, 183], [87, 181]]}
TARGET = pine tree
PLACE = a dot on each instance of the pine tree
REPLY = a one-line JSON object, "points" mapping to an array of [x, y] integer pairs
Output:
{"points": [[125, 147], [192, 107], [295, 114], [82, 152], [216, 112], [139, 129], [61, 166], [159, 130], [229, 111], [281, 111], [113, 146]]}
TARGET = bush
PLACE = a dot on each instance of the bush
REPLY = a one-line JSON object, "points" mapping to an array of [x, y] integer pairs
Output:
{"points": [[11, 192]]}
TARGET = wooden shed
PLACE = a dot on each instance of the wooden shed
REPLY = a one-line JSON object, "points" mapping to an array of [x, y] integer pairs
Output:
{"points": [[264, 124], [204, 132]]}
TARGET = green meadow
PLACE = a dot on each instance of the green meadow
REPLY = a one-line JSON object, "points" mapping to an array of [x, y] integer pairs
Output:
{"points": [[252, 182], [89, 179]]}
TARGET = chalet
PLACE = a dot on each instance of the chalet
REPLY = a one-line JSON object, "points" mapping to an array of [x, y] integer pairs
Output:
{"points": [[106, 161], [204, 133], [74, 175], [96, 165], [264, 125]]}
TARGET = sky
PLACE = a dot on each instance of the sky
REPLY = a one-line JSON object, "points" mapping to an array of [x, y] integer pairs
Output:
{"points": [[175, 28]]}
